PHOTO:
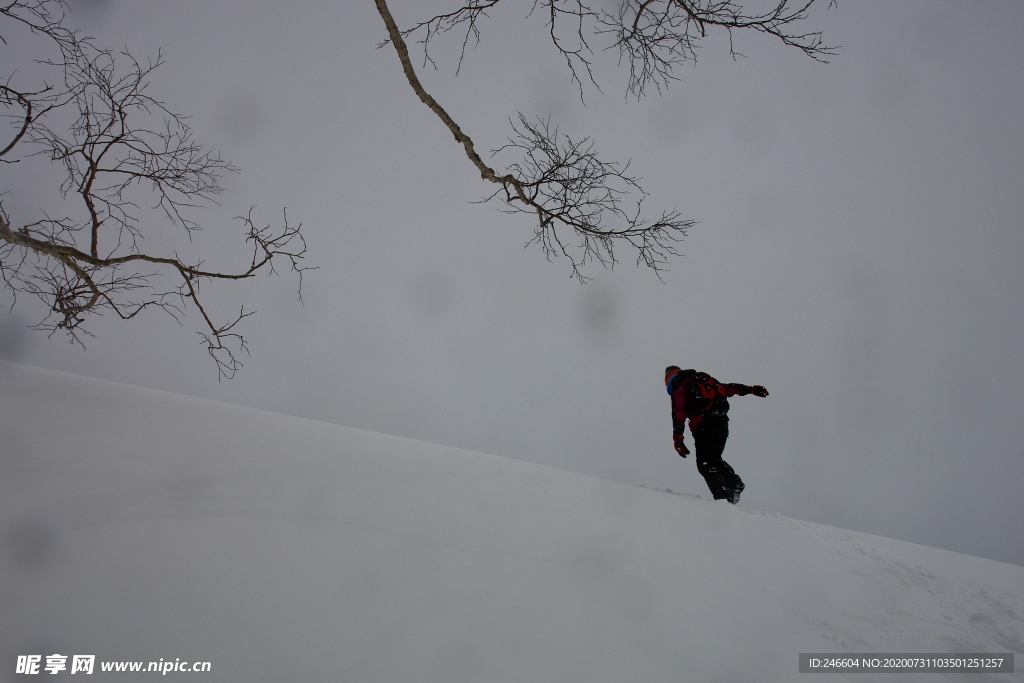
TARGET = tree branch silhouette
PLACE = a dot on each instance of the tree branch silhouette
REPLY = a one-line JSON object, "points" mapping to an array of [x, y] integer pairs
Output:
{"points": [[118, 145], [585, 207]]}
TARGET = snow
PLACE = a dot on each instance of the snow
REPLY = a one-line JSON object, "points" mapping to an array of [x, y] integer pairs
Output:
{"points": [[138, 525]]}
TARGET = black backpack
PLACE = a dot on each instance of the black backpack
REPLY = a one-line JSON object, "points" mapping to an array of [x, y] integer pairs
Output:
{"points": [[704, 389]]}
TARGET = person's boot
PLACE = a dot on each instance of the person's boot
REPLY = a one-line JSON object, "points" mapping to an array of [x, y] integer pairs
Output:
{"points": [[734, 495]]}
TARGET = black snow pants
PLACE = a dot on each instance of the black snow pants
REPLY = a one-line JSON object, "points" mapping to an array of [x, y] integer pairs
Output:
{"points": [[709, 442]]}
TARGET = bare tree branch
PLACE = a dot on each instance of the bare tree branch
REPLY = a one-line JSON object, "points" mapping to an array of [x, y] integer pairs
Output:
{"points": [[9, 98], [466, 17], [569, 188], [574, 194], [116, 145], [655, 36], [564, 184]]}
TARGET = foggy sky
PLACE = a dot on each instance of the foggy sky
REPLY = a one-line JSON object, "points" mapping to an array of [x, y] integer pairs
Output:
{"points": [[858, 252]]}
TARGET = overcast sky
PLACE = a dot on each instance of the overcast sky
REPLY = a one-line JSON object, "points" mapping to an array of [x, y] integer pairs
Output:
{"points": [[858, 253]]}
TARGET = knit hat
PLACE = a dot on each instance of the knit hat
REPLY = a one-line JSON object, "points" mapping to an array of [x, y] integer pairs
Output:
{"points": [[669, 371]]}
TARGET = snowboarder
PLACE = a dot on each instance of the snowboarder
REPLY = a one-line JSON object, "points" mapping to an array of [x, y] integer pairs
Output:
{"points": [[703, 400]]}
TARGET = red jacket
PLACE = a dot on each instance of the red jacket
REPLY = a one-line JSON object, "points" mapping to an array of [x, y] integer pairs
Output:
{"points": [[696, 395]]}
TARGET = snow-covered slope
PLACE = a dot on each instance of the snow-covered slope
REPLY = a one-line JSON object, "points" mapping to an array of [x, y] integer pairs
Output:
{"points": [[142, 525]]}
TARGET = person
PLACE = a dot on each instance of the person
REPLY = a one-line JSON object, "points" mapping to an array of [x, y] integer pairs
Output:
{"points": [[704, 401]]}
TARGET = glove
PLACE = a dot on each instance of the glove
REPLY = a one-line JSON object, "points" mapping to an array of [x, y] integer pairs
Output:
{"points": [[681, 448], [758, 390]]}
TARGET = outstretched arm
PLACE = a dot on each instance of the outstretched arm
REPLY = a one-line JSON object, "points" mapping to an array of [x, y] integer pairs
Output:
{"points": [[734, 389]]}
